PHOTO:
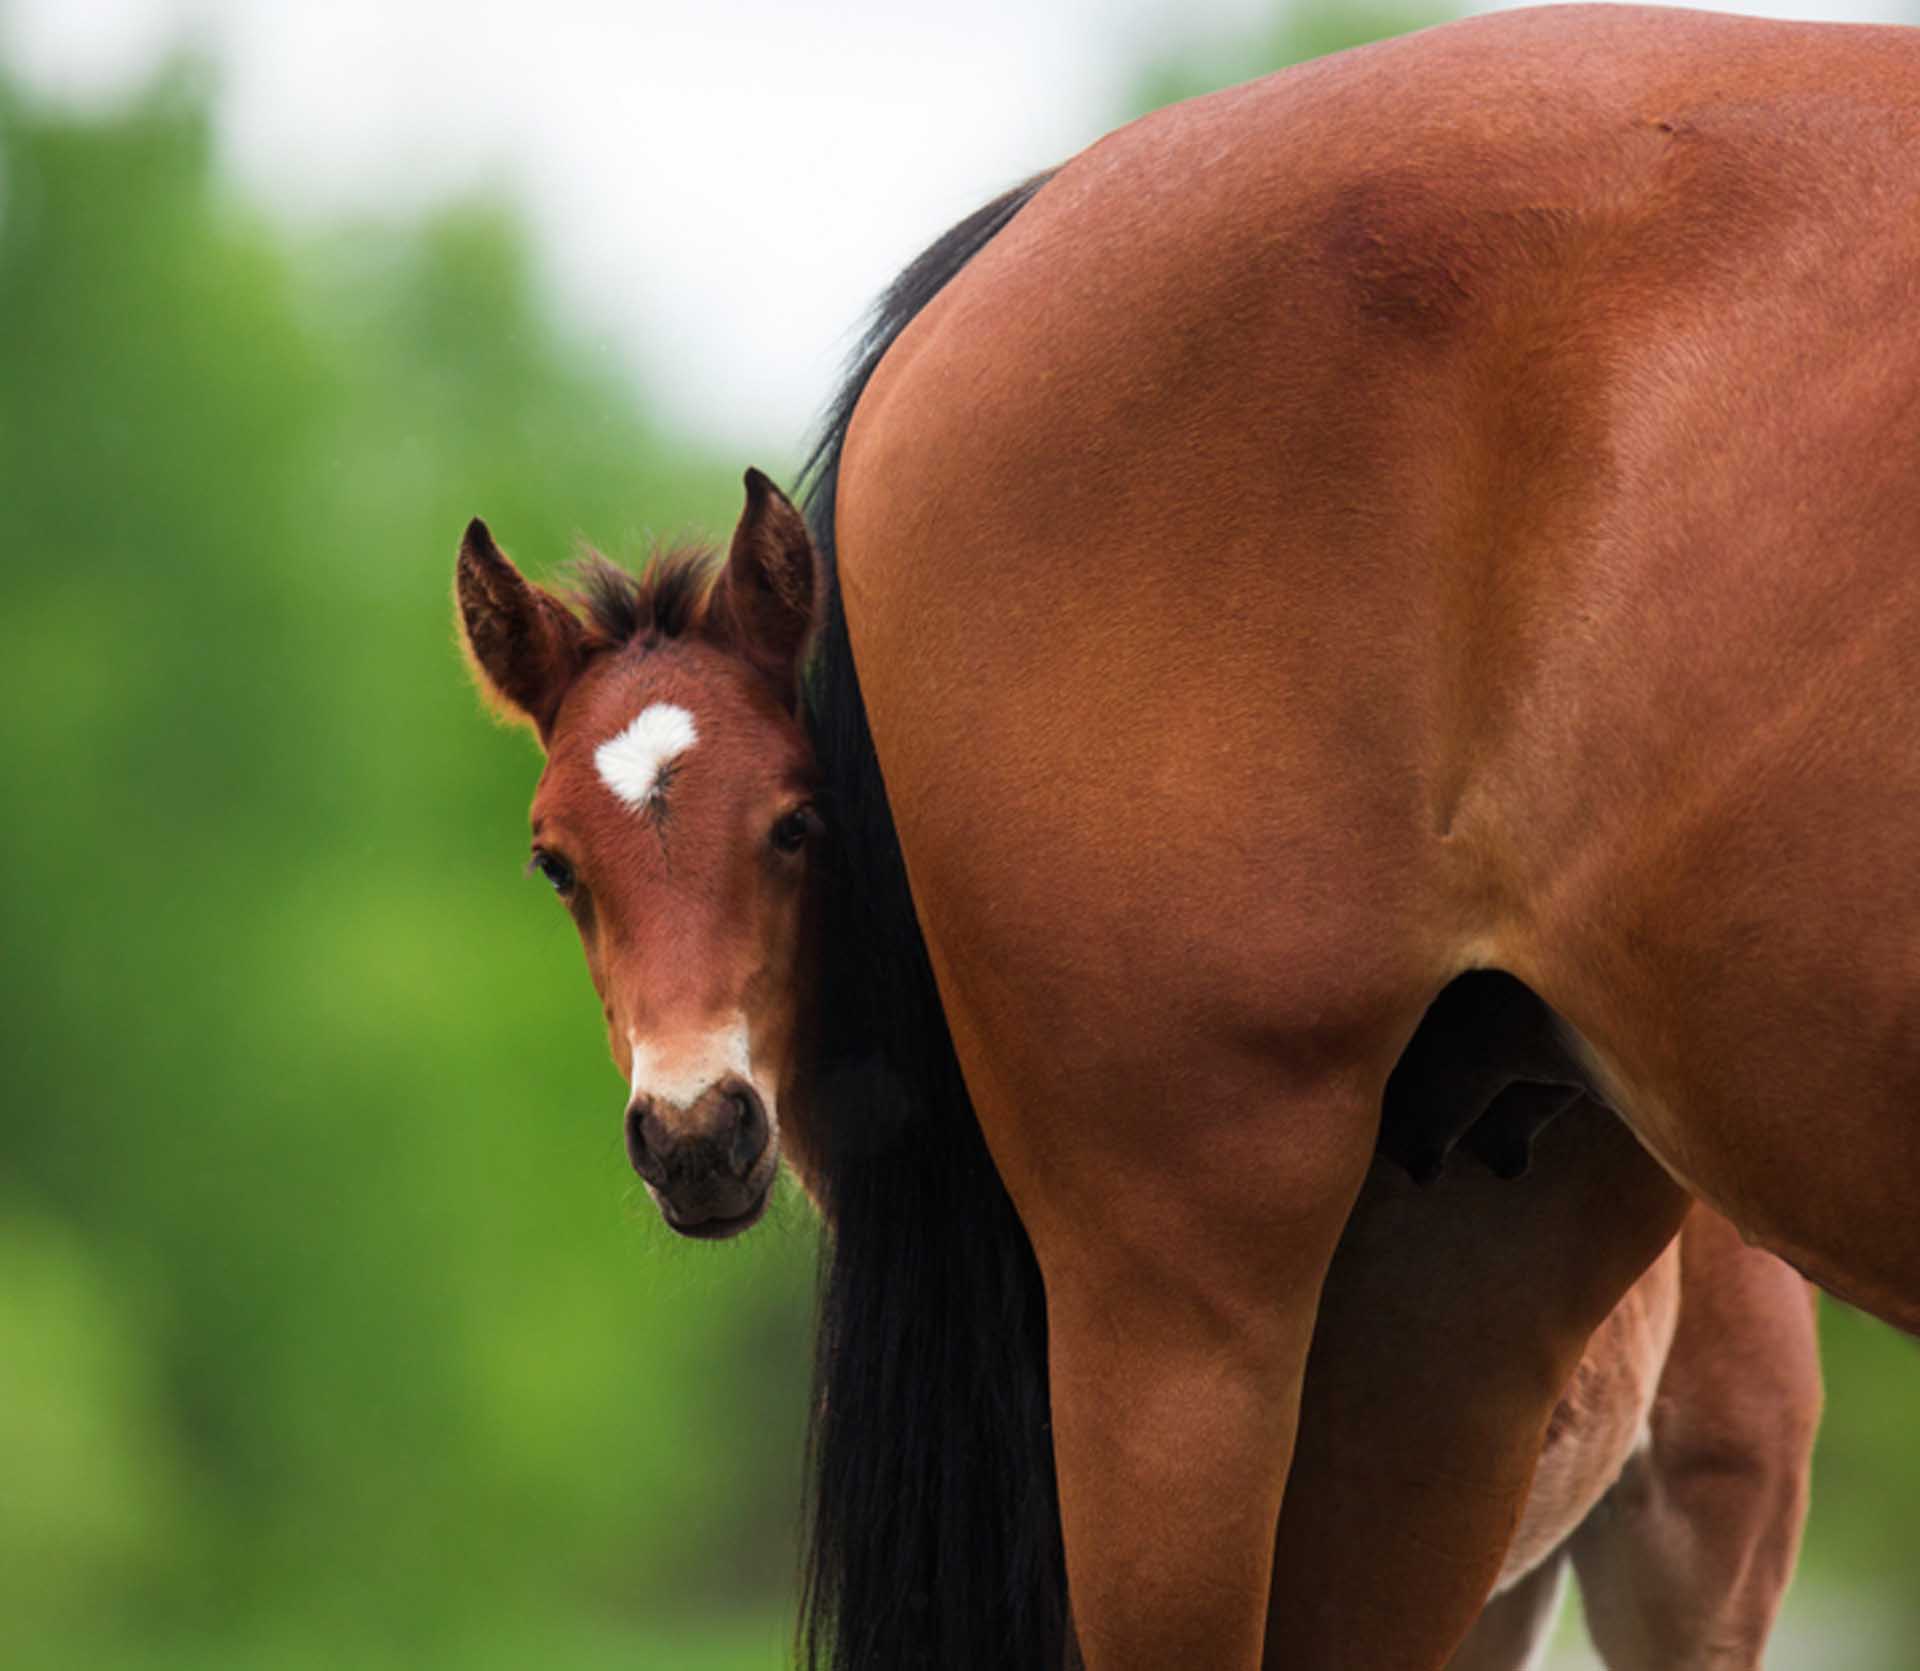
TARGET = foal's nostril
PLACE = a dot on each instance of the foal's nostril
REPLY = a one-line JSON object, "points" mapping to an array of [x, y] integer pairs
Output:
{"points": [[686, 1152], [749, 1120], [640, 1151]]}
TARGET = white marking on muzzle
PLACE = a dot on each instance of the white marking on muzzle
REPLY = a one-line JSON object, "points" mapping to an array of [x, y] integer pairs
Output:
{"points": [[634, 760], [676, 1076]]}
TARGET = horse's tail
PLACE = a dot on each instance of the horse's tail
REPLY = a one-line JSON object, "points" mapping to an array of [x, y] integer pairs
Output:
{"points": [[935, 1532]]}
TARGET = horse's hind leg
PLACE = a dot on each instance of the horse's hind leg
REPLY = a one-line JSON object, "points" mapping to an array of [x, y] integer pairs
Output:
{"points": [[1452, 1319], [1180, 1305], [1515, 1627], [1184, 1190], [1683, 1566]]}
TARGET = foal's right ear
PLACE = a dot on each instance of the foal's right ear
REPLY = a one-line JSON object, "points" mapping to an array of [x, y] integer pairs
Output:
{"points": [[524, 643]]}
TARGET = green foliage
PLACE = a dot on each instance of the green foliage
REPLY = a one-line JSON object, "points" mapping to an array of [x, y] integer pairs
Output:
{"points": [[1866, 1483], [329, 1310]]}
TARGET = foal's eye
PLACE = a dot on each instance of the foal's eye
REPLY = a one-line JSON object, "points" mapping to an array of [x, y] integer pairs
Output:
{"points": [[790, 834], [555, 869]]}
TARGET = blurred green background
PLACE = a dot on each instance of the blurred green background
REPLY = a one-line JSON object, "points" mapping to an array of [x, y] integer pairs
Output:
{"points": [[333, 1327]]}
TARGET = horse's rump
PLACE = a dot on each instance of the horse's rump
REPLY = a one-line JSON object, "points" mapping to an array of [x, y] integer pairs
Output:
{"points": [[1485, 544]]}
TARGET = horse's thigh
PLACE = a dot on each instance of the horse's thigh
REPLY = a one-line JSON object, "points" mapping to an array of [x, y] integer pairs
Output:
{"points": [[1514, 1628], [1180, 1305], [1184, 1188], [1684, 1565], [1453, 1317]]}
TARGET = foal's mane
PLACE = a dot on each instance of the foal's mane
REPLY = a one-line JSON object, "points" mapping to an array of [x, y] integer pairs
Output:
{"points": [[672, 597]]}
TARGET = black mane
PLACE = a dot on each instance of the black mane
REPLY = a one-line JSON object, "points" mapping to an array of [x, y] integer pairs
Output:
{"points": [[935, 1531]]}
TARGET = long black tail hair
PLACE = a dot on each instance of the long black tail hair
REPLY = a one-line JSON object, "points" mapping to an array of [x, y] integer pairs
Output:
{"points": [[934, 1542]]}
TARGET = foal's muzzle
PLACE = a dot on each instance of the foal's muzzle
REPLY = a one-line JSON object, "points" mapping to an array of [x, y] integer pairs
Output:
{"points": [[704, 1161]]}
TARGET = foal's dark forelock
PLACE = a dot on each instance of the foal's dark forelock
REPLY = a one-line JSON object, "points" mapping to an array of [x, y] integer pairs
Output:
{"points": [[669, 600], [935, 1531]]}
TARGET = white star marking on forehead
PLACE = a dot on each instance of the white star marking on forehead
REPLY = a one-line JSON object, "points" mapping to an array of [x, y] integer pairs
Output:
{"points": [[634, 762]]}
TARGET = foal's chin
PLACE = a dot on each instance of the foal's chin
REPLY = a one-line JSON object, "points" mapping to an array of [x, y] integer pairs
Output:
{"points": [[716, 1220], [717, 1229]]}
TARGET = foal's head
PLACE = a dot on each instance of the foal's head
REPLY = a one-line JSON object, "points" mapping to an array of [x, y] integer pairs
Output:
{"points": [[674, 819]]}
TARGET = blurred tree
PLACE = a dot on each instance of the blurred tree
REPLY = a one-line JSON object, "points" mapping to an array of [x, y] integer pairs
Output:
{"points": [[329, 1313]]}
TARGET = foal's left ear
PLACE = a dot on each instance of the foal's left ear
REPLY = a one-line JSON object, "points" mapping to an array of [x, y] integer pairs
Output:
{"points": [[770, 594]]}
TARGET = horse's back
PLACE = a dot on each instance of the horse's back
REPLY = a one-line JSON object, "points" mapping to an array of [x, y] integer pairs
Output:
{"points": [[1447, 505]]}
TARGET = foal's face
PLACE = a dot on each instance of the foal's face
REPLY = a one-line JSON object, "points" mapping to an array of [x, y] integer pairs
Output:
{"points": [[674, 819]]}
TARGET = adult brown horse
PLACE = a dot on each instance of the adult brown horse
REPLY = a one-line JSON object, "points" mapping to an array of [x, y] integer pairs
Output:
{"points": [[674, 820], [1294, 564]]}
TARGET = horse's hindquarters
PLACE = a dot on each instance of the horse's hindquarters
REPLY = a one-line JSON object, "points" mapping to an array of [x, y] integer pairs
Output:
{"points": [[1281, 581]]}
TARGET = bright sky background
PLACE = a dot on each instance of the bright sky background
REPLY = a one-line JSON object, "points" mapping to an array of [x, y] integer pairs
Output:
{"points": [[719, 187]]}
